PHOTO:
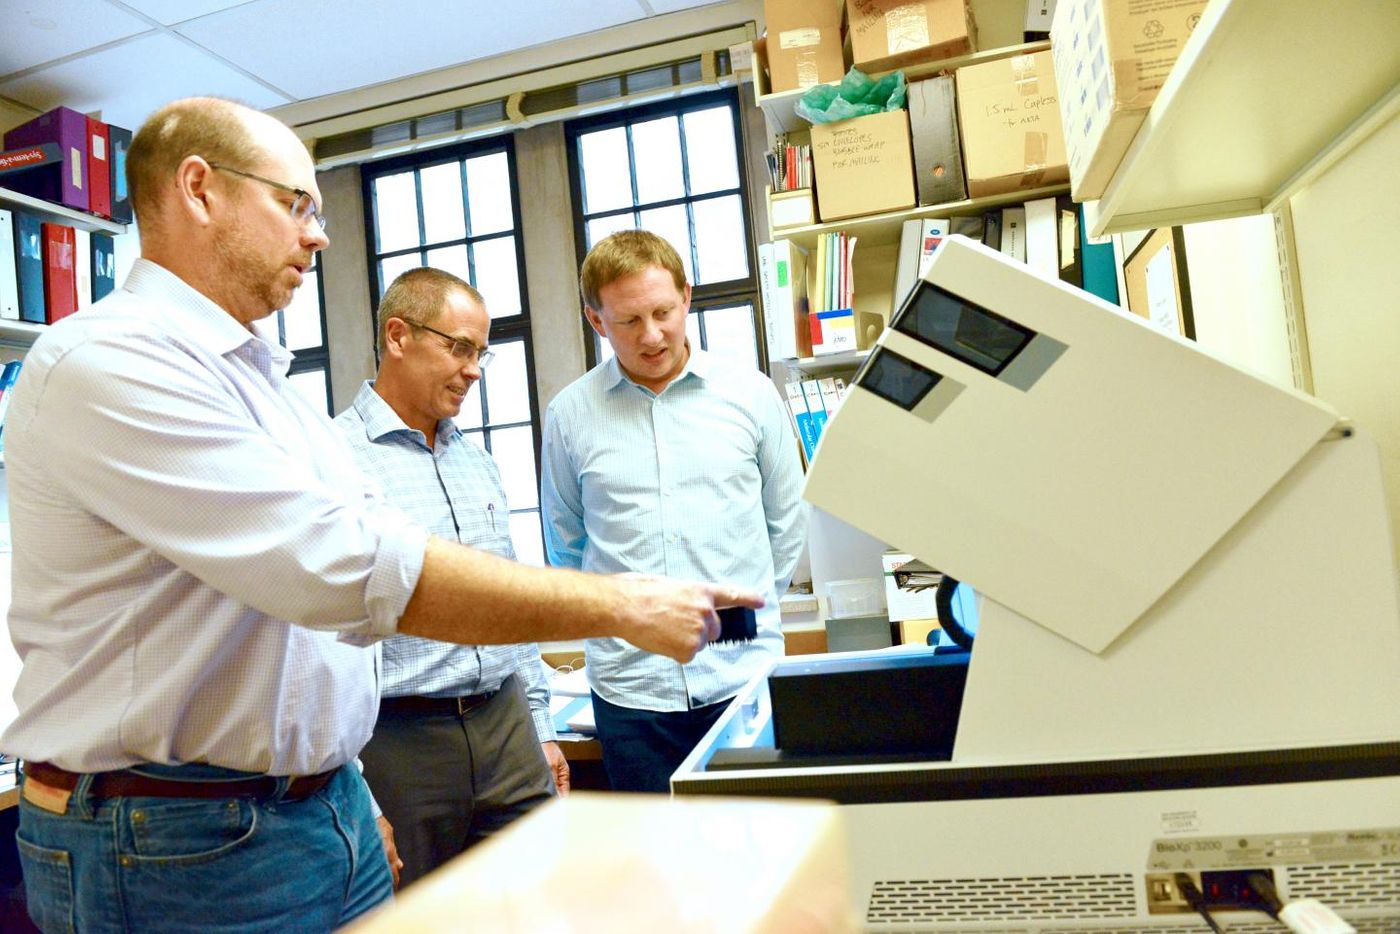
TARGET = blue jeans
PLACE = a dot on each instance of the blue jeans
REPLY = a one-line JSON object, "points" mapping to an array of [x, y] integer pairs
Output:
{"points": [[235, 865], [641, 748]]}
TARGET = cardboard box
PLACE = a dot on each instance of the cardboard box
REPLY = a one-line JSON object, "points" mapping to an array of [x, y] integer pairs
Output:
{"points": [[1111, 59], [890, 34], [793, 208], [803, 45], [863, 166], [1009, 117], [933, 125]]}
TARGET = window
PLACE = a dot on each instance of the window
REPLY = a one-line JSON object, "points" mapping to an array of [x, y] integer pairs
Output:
{"points": [[301, 328], [675, 169], [457, 209]]}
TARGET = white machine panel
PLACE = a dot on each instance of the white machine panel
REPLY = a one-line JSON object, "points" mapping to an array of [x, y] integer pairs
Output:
{"points": [[1069, 461]]}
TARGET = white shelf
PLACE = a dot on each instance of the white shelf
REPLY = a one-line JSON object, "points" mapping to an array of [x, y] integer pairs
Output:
{"points": [[783, 118], [828, 364], [19, 333], [881, 229], [1263, 99], [58, 212]]}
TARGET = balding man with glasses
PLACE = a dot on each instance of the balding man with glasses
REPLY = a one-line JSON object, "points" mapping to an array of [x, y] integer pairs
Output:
{"points": [[464, 743], [200, 571]]}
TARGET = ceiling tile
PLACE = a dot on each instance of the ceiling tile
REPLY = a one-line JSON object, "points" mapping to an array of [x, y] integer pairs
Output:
{"points": [[38, 31], [129, 81], [177, 11], [361, 42]]}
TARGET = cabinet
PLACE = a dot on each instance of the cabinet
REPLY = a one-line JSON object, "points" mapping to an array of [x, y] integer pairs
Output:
{"points": [[20, 334]]}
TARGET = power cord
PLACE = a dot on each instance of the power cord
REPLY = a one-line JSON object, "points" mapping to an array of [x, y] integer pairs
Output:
{"points": [[1302, 915], [1187, 886]]}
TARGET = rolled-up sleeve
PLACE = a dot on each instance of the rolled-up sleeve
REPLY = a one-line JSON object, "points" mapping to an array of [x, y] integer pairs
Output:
{"points": [[230, 481]]}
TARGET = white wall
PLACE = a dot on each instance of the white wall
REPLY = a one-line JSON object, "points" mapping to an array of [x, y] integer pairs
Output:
{"points": [[1348, 245]]}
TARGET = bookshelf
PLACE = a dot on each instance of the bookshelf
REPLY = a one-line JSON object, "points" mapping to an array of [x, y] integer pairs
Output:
{"points": [[58, 212], [20, 334], [1263, 100], [847, 361]]}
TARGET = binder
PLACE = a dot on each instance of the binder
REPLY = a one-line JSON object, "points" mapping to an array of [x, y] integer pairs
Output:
{"points": [[82, 267], [9, 272], [104, 266], [802, 419], [66, 181], [1071, 263], [1098, 262], [60, 272], [765, 294], [99, 169], [119, 141], [933, 122], [991, 229], [813, 393], [906, 265], [1013, 232], [1042, 238], [790, 303], [29, 260]]}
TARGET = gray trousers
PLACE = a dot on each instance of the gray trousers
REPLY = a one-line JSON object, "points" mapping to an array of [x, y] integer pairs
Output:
{"points": [[447, 782]]}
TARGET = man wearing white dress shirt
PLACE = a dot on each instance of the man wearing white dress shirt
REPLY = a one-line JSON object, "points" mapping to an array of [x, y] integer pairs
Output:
{"points": [[666, 459], [464, 743], [199, 567]]}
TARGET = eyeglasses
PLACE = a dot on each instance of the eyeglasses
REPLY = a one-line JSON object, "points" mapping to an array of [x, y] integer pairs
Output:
{"points": [[461, 348], [303, 208]]}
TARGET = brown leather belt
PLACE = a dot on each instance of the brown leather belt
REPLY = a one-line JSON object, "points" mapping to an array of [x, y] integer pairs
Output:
{"points": [[128, 784], [439, 706]]}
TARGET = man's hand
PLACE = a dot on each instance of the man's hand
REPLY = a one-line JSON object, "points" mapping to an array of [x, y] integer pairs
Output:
{"points": [[386, 834], [558, 766], [674, 618]]}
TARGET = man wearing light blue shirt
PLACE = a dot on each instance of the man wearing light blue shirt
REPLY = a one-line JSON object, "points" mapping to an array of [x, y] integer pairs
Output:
{"points": [[667, 460], [456, 750]]}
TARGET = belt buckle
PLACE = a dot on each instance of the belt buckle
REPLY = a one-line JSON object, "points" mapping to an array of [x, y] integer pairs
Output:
{"points": [[469, 703]]}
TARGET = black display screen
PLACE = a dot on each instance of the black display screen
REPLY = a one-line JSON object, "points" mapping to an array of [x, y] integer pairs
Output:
{"points": [[974, 335], [897, 379]]}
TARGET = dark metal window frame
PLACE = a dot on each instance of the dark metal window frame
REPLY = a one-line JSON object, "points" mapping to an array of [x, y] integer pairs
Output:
{"points": [[702, 297], [503, 330], [312, 358]]}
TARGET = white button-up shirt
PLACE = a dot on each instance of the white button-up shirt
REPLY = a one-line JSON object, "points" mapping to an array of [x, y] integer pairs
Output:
{"points": [[701, 482], [197, 561]]}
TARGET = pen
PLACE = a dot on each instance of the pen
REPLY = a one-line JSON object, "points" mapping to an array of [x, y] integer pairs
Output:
{"points": [[491, 512]]}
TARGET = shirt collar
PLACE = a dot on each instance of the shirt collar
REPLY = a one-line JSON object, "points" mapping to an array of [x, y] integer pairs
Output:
{"points": [[700, 364], [202, 321], [381, 420]]}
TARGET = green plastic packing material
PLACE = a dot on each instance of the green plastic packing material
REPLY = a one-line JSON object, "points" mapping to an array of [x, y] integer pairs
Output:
{"points": [[856, 96]]}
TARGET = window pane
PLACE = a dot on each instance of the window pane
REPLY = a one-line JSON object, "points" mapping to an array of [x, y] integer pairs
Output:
{"points": [[672, 224], [729, 333], [507, 384], [302, 320], [396, 212], [470, 415], [607, 175], [442, 203], [488, 194], [496, 277], [656, 147], [475, 437], [601, 227], [719, 238], [312, 386], [451, 259], [710, 150], [514, 450], [528, 537], [391, 268]]}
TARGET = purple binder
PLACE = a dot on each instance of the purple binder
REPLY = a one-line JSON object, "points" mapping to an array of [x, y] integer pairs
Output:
{"points": [[65, 182]]}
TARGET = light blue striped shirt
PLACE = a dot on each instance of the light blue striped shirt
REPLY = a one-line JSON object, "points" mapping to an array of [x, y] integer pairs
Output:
{"points": [[700, 482], [193, 546], [454, 491]]}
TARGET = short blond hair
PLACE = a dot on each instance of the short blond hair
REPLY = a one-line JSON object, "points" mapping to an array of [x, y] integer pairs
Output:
{"points": [[623, 254], [211, 127], [417, 296]]}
